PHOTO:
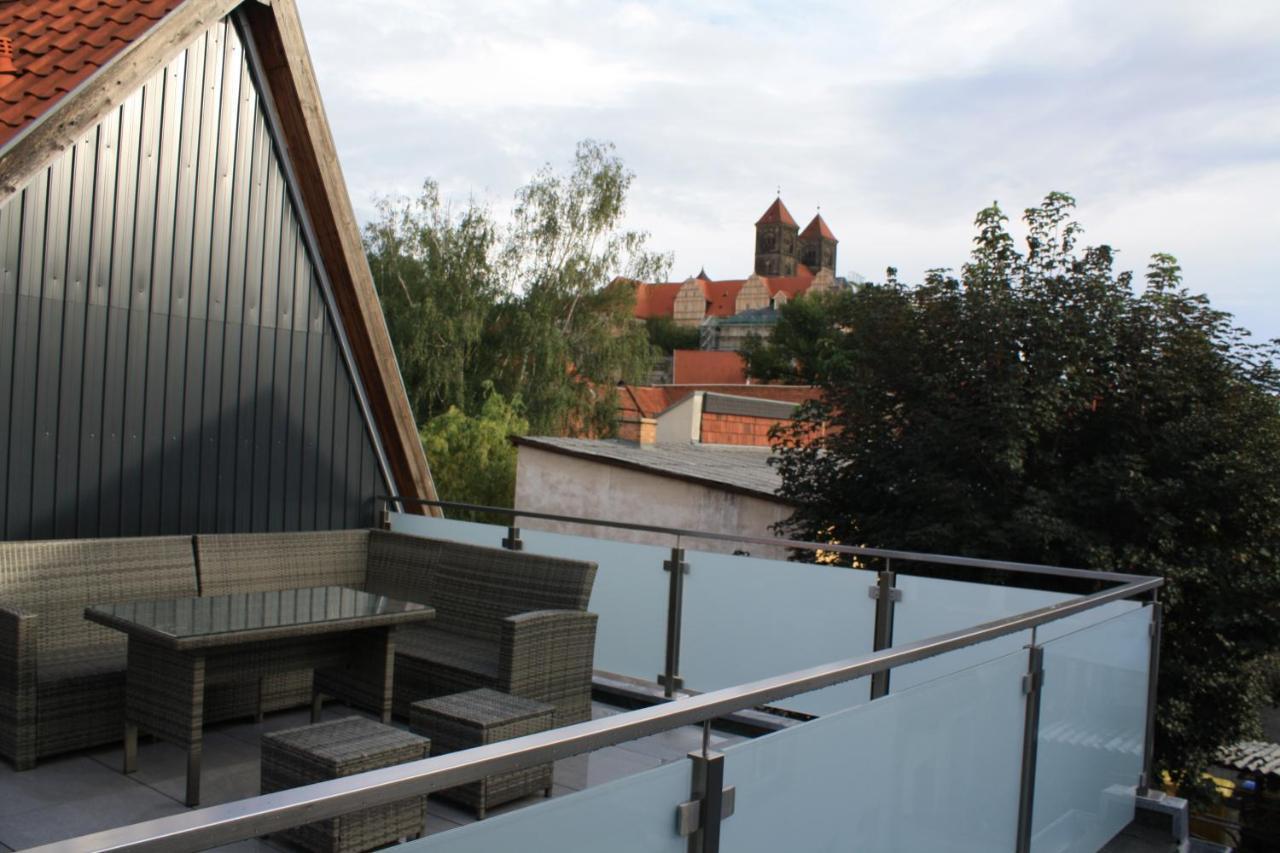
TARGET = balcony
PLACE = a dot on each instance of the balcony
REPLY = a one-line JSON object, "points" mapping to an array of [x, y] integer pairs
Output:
{"points": [[915, 702]]}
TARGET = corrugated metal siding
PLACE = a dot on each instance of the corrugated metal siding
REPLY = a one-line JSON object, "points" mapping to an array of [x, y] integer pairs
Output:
{"points": [[168, 361]]}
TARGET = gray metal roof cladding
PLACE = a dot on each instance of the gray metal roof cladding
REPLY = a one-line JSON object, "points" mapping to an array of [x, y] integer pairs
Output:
{"points": [[744, 469]]}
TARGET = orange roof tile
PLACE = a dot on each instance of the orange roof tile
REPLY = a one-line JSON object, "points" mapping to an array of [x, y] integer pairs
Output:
{"points": [[656, 300], [818, 228], [792, 285], [722, 296], [58, 44], [699, 366], [777, 212]]}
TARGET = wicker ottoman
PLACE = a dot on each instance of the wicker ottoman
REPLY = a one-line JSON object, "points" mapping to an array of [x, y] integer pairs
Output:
{"points": [[339, 748], [479, 717]]}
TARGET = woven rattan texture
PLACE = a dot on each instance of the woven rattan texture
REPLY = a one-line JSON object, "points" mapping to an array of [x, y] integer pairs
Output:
{"points": [[480, 717], [70, 669], [339, 748]]}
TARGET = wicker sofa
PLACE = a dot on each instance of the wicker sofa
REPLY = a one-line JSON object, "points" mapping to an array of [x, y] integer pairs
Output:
{"points": [[61, 676], [509, 620]]}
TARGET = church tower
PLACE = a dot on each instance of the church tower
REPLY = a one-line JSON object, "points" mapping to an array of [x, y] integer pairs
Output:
{"points": [[818, 246], [777, 241]]}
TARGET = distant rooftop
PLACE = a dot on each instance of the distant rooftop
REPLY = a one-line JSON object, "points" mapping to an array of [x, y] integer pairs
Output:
{"points": [[739, 469]]}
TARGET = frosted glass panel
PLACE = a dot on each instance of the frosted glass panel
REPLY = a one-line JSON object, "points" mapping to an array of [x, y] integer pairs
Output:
{"points": [[1092, 729], [930, 607], [470, 532], [630, 595], [747, 618], [631, 815], [932, 768]]}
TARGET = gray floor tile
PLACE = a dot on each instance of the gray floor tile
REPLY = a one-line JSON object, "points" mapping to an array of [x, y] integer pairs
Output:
{"points": [[56, 782], [229, 771], [130, 803]]}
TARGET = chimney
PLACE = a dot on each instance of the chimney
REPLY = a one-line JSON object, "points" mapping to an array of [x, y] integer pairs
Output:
{"points": [[7, 69], [642, 431]]}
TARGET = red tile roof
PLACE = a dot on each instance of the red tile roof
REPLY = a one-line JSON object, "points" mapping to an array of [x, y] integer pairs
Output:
{"points": [[656, 300], [818, 227], [722, 296], [777, 212], [692, 366], [58, 44]]}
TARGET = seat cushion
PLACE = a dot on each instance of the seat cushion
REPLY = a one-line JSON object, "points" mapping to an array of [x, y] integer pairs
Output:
{"points": [[57, 665], [445, 648]]}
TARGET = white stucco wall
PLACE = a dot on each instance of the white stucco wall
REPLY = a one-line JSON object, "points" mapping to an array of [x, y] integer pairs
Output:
{"points": [[568, 485]]}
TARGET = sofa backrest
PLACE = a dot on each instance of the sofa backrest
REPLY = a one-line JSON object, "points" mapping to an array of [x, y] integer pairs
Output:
{"points": [[473, 588], [57, 580], [400, 565], [253, 562]]}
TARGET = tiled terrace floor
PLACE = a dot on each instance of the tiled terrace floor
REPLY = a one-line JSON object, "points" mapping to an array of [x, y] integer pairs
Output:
{"points": [[85, 792]]}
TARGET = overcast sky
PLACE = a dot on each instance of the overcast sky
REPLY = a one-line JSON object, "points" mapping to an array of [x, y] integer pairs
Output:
{"points": [[900, 120]]}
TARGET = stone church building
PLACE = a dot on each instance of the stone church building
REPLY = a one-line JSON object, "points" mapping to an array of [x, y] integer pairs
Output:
{"points": [[788, 262]]}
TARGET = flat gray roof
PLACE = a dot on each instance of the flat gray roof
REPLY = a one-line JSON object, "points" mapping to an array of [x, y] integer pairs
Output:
{"points": [[735, 469]]}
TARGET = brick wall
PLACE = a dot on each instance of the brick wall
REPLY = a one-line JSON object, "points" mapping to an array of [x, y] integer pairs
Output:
{"points": [[736, 429]]}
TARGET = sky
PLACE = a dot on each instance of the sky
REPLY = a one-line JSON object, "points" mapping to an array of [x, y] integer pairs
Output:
{"points": [[899, 120]]}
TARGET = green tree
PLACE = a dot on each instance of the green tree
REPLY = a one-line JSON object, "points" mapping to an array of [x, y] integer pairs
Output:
{"points": [[566, 337], [433, 270], [528, 308], [668, 335], [472, 459], [1036, 407]]}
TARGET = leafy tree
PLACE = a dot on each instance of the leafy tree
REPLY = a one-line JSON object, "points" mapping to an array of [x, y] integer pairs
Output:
{"points": [[472, 459], [1037, 407], [567, 333], [528, 307], [434, 273], [668, 335]]}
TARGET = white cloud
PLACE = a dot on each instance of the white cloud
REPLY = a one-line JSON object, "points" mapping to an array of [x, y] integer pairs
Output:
{"points": [[900, 120]]}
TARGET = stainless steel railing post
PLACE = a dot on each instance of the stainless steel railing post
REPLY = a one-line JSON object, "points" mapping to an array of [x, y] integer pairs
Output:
{"points": [[886, 595], [1032, 683], [1148, 779], [676, 568]]}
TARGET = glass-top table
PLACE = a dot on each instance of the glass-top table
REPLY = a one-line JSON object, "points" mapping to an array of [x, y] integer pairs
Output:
{"points": [[196, 621], [178, 647]]}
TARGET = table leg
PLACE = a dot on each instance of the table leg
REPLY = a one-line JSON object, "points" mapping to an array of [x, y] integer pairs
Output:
{"points": [[374, 657], [165, 697], [130, 747], [193, 773]]}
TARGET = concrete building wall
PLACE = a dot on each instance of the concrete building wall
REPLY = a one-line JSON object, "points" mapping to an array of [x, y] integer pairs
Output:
{"points": [[566, 485]]}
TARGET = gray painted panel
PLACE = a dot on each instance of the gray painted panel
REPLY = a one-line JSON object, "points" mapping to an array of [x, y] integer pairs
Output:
{"points": [[10, 259], [25, 342], [167, 360], [48, 372], [71, 383]]}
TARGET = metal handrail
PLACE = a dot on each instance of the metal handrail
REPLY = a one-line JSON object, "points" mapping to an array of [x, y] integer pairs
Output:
{"points": [[798, 544], [230, 822]]}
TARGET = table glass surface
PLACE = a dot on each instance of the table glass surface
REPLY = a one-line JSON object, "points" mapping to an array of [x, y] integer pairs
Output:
{"points": [[249, 611]]}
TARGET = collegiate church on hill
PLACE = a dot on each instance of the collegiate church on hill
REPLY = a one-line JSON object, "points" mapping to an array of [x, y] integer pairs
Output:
{"points": [[788, 262]]}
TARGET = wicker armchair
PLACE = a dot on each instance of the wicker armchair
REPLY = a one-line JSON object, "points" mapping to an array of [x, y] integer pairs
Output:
{"points": [[509, 620], [61, 676]]}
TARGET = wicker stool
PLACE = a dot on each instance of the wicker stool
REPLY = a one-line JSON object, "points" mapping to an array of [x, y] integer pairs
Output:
{"points": [[480, 717], [339, 748]]}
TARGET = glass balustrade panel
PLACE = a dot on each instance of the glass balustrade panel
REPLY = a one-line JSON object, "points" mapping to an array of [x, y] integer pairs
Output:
{"points": [[636, 814], [1092, 733], [935, 767], [469, 532], [930, 606], [747, 618]]}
